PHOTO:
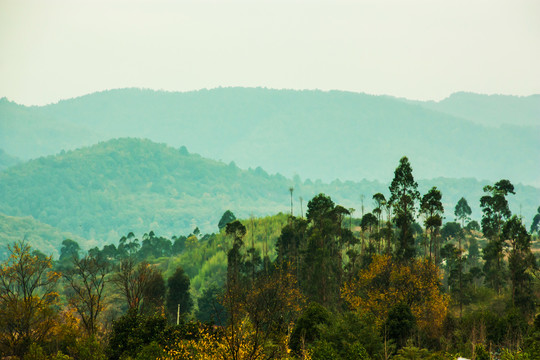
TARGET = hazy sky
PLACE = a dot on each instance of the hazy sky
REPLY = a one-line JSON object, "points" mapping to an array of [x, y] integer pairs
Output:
{"points": [[55, 49]]}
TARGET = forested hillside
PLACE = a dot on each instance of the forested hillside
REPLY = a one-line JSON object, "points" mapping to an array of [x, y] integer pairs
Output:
{"points": [[43, 237], [112, 188], [315, 134], [323, 285]]}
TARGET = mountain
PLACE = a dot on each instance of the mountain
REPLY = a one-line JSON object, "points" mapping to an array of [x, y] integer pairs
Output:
{"points": [[109, 189], [490, 110], [320, 135]]}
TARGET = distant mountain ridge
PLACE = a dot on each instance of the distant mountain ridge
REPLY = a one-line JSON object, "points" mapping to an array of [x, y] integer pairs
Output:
{"points": [[316, 134], [490, 110], [109, 189]]}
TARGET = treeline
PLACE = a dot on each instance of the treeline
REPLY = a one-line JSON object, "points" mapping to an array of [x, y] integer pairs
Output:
{"points": [[391, 283]]}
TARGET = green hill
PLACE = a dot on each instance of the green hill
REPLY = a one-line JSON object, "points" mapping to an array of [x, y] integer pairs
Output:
{"points": [[319, 135], [42, 237], [7, 160], [104, 191]]}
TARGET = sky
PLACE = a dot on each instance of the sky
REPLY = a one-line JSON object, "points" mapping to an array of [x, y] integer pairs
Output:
{"points": [[417, 49]]}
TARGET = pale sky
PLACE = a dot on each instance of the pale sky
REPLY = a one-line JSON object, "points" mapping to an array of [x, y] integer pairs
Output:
{"points": [[57, 49]]}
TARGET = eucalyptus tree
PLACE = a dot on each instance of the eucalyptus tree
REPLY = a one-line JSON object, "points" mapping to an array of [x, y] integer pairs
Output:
{"points": [[462, 212], [495, 212], [380, 202], [403, 196], [521, 262], [432, 208]]}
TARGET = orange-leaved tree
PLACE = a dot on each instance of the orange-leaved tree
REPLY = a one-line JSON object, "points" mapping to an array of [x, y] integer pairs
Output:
{"points": [[387, 283]]}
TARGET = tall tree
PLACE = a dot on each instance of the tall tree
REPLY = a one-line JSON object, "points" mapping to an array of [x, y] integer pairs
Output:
{"points": [[520, 264], [432, 207], [291, 189], [321, 267], [403, 197], [380, 201], [462, 212], [178, 294], [495, 212], [154, 293], [86, 283], [131, 279]]}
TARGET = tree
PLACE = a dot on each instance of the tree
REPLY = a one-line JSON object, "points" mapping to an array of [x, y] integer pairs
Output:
{"points": [[306, 330], [226, 218], [210, 308], [431, 206], [380, 202], [386, 283], [321, 270], [520, 264], [178, 294], [86, 283], [462, 211], [536, 221], [367, 223], [153, 293], [291, 189], [495, 207], [70, 249], [400, 324], [495, 212], [403, 196], [132, 332], [131, 279], [27, 298]]}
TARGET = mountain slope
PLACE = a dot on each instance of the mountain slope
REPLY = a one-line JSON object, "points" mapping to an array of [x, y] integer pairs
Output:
{"points": [[42, 237], [324, 135], [104, 191]]}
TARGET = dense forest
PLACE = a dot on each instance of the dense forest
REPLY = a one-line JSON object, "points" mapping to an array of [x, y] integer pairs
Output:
{"points": [[296, 132], [102, 192], [323, 281]]}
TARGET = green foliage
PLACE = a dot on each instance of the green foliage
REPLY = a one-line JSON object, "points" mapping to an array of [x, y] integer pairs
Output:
{"points": [[352, 335], [462, 211], [178, 294], [132, 332], [481, 353], [400, 324], [403, 197], [306, 330], [210, 308], [43, 237], [226, 218], [142, 185]]}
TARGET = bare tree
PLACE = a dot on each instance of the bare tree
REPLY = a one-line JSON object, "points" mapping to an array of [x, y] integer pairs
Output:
{"points": [[86, 280], [131, 280]]}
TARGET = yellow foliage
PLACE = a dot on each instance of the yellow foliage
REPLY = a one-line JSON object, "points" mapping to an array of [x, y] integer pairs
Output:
{"points": [[386, 284]]}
